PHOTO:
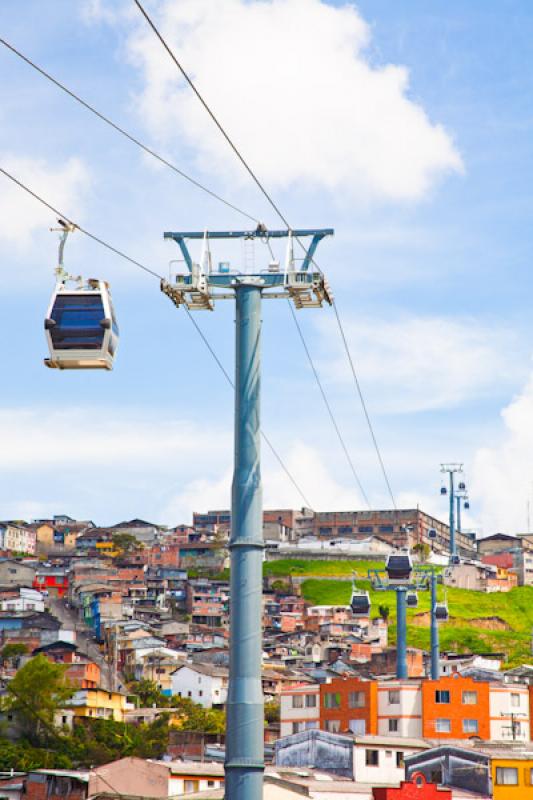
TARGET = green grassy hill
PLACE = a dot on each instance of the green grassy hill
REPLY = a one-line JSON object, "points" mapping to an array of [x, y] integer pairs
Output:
{"points": [[479, 622]]}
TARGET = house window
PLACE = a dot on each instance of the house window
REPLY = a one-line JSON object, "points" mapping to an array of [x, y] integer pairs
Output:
{"points": [[297, 701], [189, 694], [357, 726], [393, 725], [310, 700], [515, 700], [443, 725], [356, 699], [469, 698], [332, 725], [394, 697], [442, 696], [210, 784], [296, 727], [200, 693], [400, 761], [332, 700], [386, 528], [372, 758], [470, 726], [365, 529], [507, 776]]}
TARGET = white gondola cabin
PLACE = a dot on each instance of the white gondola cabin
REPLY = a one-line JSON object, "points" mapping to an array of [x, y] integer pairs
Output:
{"points": [[81, 328], [360, 603]]}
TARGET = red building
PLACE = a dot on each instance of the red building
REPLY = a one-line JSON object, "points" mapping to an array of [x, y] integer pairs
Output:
{"points": [[53, 580], [418, 789]]}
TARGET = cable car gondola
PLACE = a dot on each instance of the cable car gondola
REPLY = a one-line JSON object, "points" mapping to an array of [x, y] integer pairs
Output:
{"points": [[399, 566], [441, 611], [81, 328], [443, 490], [432, 533], [455, 560], [360, 603], [411, 599]]}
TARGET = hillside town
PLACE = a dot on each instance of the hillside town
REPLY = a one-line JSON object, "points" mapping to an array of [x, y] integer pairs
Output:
{"points": [[124, 629]]}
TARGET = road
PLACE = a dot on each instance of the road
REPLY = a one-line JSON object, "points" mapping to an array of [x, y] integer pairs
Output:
{"points": [[84, 638]]}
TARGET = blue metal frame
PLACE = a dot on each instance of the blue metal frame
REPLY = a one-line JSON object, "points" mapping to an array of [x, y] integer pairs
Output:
{"points": [[419, 583], [318, 234]]}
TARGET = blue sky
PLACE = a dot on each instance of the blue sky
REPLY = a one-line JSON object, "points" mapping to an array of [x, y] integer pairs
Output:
{"points": [[406, 127]]}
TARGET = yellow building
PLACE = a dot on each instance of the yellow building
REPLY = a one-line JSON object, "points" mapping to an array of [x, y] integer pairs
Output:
{"points": [[99, 704], [512, 776], [107, 549]]}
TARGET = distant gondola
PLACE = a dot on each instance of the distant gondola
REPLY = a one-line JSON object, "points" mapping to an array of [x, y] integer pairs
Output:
{"points": [[360, 603]]}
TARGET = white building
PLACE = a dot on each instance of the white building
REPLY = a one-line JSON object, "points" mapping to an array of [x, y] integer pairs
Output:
{"points": [[27, 600], [299, 708], [205, 684], [400, 709], [186, 777], [509, 712], [380, 759], [17, 539]]}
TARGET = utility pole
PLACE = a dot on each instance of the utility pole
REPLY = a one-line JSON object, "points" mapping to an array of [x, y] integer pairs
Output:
{"points": [[451, 469], [401, 632], [435, 651], [198, 288]]}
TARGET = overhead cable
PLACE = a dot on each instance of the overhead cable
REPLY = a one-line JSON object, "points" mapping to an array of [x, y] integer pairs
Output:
{"points": [[326, 403], [211, 114], [363, 404], [281, 216], [125, 133], [204, 338]]}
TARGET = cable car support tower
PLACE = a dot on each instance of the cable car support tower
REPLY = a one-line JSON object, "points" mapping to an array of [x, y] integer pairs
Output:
{"points": [[198, 287]]}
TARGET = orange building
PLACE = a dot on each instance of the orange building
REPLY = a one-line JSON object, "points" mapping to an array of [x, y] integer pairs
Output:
{"points": [[349, 704], [455, 708]]}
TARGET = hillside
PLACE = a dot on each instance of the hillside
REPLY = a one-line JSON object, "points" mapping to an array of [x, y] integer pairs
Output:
{"points": [[479, 622]]}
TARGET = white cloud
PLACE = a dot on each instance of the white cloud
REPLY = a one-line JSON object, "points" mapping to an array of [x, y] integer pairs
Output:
{"points": [[96, 11], [293, 83], [105, 462], [63, 185], [106, 438], [313, 476], [418, 363], [502, 482]]}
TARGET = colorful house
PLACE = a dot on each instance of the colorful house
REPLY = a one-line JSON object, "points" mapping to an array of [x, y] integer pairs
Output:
{"points": [[99, 704]]}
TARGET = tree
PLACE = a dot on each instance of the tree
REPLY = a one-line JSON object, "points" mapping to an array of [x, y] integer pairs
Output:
{"points": [[422, 550], [12, 652], [36, 693], [272, 712], [148, 693], [125, 542], [384, 613]]}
